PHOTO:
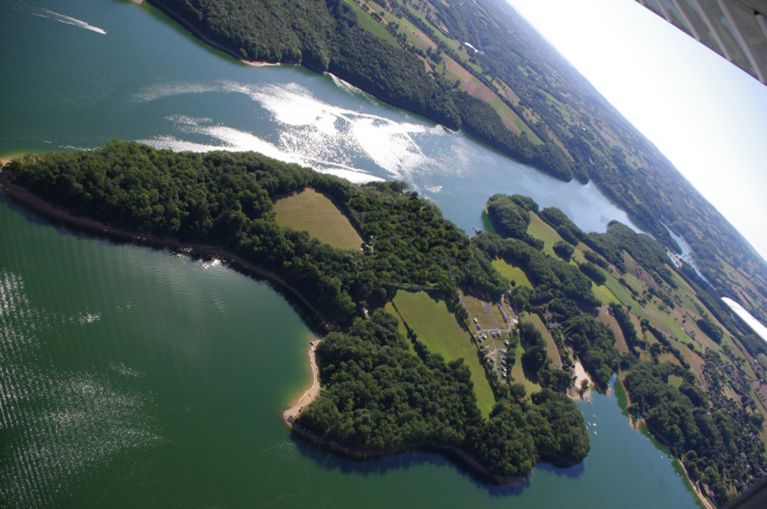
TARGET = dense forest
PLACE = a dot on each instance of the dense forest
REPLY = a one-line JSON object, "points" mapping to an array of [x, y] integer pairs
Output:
{"points": [[718, 440], [226, 199], [719, 446], [377, 395], [581, 135], [323, 36], [380, 394]]}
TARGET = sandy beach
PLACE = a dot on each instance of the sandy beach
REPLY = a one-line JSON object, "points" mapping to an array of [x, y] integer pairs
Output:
{"points": [[292, 413], [580, 375], [7, 158]]}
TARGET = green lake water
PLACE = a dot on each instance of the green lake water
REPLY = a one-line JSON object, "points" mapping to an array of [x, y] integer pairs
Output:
{"points": [[132, 377]]}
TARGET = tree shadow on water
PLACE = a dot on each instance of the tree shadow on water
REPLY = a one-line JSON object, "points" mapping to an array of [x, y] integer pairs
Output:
{"points": [[406, 460]]}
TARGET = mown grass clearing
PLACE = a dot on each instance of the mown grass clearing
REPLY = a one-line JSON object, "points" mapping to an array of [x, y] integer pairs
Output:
{"points": [[475, 88], [369, 23], [314, 213], [510, 117], [623, 295], [675, 381], [512, 273], [604, 294], [439, 330], [541, 230]]}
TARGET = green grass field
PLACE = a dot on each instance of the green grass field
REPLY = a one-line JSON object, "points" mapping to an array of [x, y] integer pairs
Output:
{"points": [[604, 294], [312, 212], [539, 229], [438, 329], [620, 340], [621, 397], [486, 313], [367, 22], [675, 381], [510, 116], [511, 273]]}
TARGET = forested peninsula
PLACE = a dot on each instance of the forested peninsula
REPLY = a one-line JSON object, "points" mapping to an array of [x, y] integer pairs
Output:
{"points": [[520, 307], [478, 66], [381, 391]]}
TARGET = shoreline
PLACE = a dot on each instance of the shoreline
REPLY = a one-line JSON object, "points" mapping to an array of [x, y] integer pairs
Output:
{"points": [[580, 375], [310, 394], [703, 499], [204, 38], [460, 457], [640, 426], [292, 413], [58, 215], [259, 63]]}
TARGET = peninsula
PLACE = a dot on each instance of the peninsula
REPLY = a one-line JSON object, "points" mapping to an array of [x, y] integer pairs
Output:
{"points": [[433, 340]]}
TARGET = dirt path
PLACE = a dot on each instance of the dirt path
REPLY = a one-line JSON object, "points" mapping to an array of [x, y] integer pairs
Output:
{"points": [[701, 497], [292, 413]]}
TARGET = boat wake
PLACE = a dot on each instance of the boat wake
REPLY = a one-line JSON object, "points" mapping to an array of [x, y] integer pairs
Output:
{"points": [[68, 20], [236, 140], [312, 132]]}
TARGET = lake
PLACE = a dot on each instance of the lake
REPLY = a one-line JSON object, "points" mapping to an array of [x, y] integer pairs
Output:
{"points": [[132, 377]]}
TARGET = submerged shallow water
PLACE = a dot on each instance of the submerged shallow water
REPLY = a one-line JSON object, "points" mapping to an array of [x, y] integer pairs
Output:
{"points": [[137, 378]]}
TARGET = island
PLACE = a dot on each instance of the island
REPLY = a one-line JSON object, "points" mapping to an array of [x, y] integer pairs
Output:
{"points": [[432, 340]]}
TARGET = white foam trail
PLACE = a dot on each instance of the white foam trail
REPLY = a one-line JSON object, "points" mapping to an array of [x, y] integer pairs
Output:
{"points": [[69, 20], [346, 86], [311, 130], [235, 140], [747, 317]]}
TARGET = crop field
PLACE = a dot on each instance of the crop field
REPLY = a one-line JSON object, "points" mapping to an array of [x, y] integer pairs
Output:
{"points": [[439, 330], [314, 213]]}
